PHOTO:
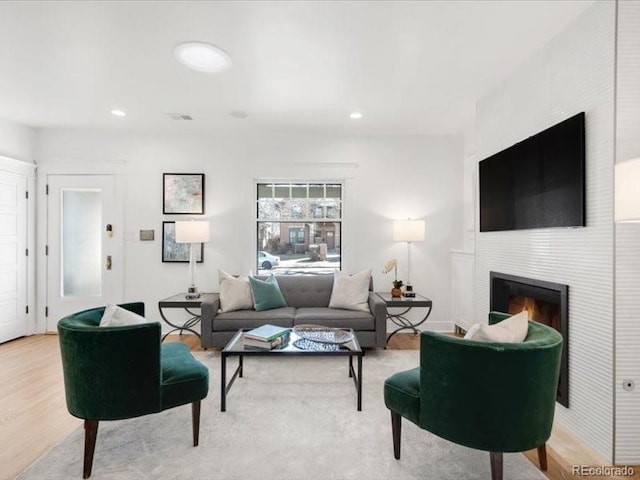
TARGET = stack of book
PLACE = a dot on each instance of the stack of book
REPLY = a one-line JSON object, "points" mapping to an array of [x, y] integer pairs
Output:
{"points": [[267, 337]]}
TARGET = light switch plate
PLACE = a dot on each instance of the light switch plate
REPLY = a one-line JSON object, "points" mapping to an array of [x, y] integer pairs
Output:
{"points": [[147, 235]]}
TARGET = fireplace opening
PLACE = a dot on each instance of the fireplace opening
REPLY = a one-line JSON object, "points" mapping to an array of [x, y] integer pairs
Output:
{"points": [[538, 310], [545, 302]]}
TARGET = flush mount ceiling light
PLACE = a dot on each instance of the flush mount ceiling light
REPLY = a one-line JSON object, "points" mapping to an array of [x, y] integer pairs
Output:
{"points": [[239, 114], [203, 57], [118, 113], [355, 115]]}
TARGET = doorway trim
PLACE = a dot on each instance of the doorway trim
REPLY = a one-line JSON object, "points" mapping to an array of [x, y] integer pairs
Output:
{"points": [[27, 169], [117, 169]]}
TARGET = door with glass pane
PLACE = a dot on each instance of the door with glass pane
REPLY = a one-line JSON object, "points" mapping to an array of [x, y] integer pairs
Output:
{"points": [[84, 239]]}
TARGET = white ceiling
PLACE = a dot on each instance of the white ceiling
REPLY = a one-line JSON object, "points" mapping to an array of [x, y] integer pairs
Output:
{"points": [[410, 67]]}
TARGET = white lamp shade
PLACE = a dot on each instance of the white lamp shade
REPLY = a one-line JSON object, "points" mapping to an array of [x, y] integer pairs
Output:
{"points": [[627, 191], [192, 231], [408, 230]]}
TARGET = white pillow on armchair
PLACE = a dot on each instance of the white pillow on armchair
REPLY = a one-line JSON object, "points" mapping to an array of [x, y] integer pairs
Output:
{"points": [[510, 330]]}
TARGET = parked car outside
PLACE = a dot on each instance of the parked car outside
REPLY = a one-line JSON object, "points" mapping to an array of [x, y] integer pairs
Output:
{"points": [[266, 261]]}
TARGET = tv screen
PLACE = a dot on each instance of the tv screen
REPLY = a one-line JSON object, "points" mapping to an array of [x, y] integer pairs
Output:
{"points": [[536, 183]]}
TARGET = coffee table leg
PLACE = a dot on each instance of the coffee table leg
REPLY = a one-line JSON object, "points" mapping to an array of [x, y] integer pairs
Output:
{"points": [[241, 366], [359, 382], [223, 383], [350, 366]]}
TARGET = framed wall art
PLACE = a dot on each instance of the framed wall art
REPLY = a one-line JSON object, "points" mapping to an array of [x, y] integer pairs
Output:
{"points": [[177, 252], [183, 193]]}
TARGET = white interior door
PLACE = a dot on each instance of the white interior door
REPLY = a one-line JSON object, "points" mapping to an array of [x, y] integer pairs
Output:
{"points": [[13, 256], [84, 238]]}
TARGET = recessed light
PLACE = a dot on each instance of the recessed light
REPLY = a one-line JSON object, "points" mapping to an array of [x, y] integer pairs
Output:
{"points": [[203, 57], [239, 114], [179, 116], [355, 115], [118, 113]]}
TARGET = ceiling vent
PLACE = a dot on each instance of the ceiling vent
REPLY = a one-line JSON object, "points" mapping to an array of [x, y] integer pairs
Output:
{"points": [[179, 116]]}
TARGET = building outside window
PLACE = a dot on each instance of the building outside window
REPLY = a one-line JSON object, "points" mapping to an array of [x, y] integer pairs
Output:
{"points": [[299, 227], [296, 235]]}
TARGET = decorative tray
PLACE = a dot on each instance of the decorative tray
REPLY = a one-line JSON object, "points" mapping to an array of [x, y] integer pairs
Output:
{"points": [[318, 333], [304, 344]]}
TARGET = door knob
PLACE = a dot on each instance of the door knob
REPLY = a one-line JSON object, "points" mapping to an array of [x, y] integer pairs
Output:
{"points": [[108, 262]]}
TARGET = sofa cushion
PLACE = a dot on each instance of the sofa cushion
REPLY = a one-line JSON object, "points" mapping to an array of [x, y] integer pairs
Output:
{"points": [[266, 294], [351, 292], [231, 321], [334, 317], [235, 292], [306, 290]]}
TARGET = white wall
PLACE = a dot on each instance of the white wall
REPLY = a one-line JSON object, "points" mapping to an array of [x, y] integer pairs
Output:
{"points": [[573, 73], [16, 141], [470, 187], [387, 178]]}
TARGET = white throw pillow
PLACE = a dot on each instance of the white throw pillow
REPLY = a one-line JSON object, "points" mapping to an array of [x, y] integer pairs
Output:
{"points": [[351, 292], [472, 331], [235, 292], [115, 316], [510, 330]]}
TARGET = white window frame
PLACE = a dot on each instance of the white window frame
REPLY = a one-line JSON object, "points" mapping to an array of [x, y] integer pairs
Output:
{"points": [[307, 219]]}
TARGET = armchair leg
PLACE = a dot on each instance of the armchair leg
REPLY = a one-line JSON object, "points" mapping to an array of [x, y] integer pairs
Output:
{"points": [[195, 421], [542, 457], [496, 465], [396, 429], [90, 435]]}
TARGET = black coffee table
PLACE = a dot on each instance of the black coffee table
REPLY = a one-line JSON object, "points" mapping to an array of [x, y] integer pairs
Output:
{"points": [[294, 346]]}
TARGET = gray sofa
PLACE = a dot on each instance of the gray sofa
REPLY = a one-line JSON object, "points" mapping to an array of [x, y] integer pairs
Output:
{"points": [[307, 298]]}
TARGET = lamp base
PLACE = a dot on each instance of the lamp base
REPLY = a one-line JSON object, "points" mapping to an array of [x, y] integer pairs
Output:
{"points": [[192, 293]]}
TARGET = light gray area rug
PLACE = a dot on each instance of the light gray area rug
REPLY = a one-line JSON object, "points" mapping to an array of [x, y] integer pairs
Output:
{"points": [[289, 418]]}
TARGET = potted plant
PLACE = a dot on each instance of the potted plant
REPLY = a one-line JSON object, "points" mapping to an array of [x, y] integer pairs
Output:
{"points": [[392, 264]]}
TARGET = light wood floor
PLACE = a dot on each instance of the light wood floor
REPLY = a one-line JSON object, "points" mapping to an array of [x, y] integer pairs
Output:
{"points": [[34, 417]]}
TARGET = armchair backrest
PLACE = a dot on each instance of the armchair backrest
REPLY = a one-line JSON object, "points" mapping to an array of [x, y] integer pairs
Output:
{"points": [[490, 396], [110, 373]]}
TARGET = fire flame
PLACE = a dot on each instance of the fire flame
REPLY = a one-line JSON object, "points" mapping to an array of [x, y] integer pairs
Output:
{"points": [[530, 307]]}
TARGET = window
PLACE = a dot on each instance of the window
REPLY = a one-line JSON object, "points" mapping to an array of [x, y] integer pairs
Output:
{"points": [[296, 235], [299, 227]]}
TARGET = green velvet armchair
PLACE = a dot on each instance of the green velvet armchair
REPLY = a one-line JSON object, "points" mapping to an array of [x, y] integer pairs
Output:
{"points": [[113, 373], [496, 397]]}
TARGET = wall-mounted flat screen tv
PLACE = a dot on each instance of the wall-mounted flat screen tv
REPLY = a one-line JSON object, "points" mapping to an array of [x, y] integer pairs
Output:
{"points": [[536, 183]]}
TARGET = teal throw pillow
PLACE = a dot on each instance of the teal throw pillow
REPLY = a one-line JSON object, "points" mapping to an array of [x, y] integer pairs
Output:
{"points": [[266, 294]]}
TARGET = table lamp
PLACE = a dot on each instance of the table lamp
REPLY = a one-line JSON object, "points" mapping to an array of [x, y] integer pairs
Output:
{"points": [[408, 231], [627, 193], [192, 232]]}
